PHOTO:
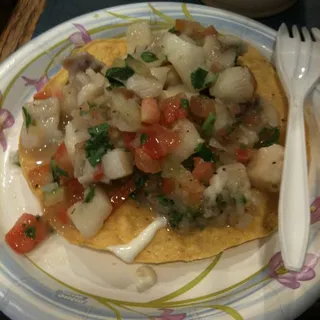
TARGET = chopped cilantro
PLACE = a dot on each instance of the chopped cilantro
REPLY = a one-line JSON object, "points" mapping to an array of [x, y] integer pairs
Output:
{"points": [[27, 116], [198, 78], [90, 194], [164, 201], [98, 144], [30, 232], [114, 84], [221, 203], [38, 217], [120, 74], [139, 181], [91, 105], [143, 138], [56, 171], [268, 137], [185, 104], [175, 218], [207, 126], [148, 56], [205, 153], [172, 30], [243, 200], [83, 112], [211, 78], [133, 195]]}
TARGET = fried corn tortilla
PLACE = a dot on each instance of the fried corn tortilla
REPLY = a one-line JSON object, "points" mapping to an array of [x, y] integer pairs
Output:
{"points": [[129, 220]]}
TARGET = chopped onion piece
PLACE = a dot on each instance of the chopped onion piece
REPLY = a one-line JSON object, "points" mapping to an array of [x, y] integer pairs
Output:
{"points": [[144, 87], [138, 34], [215, 144], [50, 187]]}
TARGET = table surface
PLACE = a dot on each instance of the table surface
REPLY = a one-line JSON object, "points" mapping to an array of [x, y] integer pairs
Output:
{"points": [[303, 13]]}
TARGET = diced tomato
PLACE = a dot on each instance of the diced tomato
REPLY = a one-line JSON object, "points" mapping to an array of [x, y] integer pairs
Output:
{"points": [[98, 174], [150, 112], [172, 109], [201, 106], [40, 175], [62, 214], [75, 191], [48, 93], [119, 196], [244, 155], [128, 138], [203, 170], [27, 233], [251, 117], [63, 160], [160, 141], [168, 186], [145, 163], [210, 31], [194, 29]]}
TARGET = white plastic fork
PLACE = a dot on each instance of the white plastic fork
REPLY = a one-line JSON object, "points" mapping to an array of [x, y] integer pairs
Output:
{"points": [[298, 65]]}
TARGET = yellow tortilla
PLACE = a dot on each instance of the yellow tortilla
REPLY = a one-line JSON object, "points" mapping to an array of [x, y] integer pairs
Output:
{"points": [[129, 220]]}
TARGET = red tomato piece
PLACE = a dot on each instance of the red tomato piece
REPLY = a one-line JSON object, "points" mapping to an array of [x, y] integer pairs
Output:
{"points": [[128, 138], [63, 160], [40, 176], [244, 155], [98, 174], [168, 186], [145, 163], [160, 141], [48, 93], [75, 191], [118, 197], [201, 106], [62, 214], [202, 171], [150, 112], [27, 233], [172, 109]]}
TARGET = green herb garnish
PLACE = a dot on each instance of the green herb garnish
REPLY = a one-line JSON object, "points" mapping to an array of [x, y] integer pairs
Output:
{"points": [[114, 84], [172, 30], [140, 180], [221, 203], [98, 144], [30, 232], [205, 153], [211, 79], [175, 218], [38, 217], [119, 74], [148, 56], [198, 78], [27, 116], [164, 201], [90, 194], [143, 138], [185, 104], [133, 195], [83, 112], [268, 137], [243, 200], [56, 171], [207, 126], [91, 105]]}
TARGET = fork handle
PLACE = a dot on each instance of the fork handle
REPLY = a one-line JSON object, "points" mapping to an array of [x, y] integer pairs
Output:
{"points": [[294, 211]]}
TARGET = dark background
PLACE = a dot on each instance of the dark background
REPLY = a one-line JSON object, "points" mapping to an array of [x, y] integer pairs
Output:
{"points": [[303, 13]]}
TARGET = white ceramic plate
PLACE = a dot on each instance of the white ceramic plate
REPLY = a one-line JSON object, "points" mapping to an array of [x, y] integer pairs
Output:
{"points": [[61, 281]]}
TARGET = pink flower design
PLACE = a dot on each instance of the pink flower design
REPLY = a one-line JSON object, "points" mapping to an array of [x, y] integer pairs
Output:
{"points": [[315, 211], [167, 315], [292, 279], [6, 121], [38, 84], [81, 37]]}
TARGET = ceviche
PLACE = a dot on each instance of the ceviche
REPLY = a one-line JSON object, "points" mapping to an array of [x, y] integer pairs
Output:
{"points": [[161, 146]]}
